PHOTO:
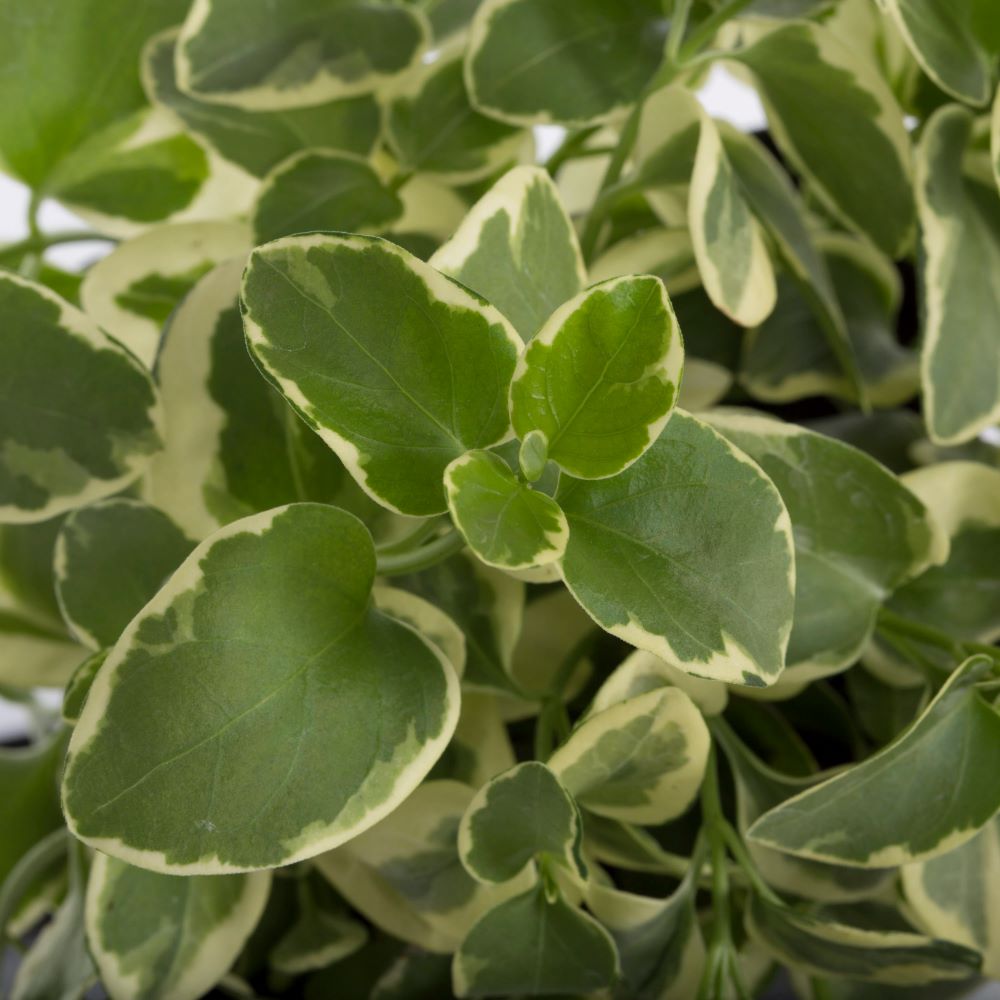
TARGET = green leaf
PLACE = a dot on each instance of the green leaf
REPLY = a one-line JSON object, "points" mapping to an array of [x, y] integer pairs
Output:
{"points": [[693, 533], [486, 605], [533, 61], [449, 17], [258, 56], [639, 761], [111, 558], [600, 379], [427, 619], [658, 940], [827, 948], [521, 816], [518, 249], [530, 946], [399, 369], [405, 875], [250, 622], [432, 128], [957, 895], [323, 932], [29, 800], [960, 236], [942, 37], [52, 54], [506, 523], [319, 190], [233, 446], [257, 141], [760, 788], [728, 241], [960, 595], [141, 168], [133, 290], [80, 416], [78, 686], [155, 935], [862, 128], [845, 567], [934, 779]]}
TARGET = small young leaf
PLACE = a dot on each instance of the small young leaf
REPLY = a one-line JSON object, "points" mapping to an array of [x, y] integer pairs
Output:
{"points": [[600, 379], [862, 126], [432, 128], [692, 533], [111, 558], [252, 620], [257, 141], [531, 946], [80, 416], [533, 61], [960, 235], [259, 56], [518, 816], [935, 778], [826, 948], [506, 523], [399, 369], [639, 761], [517, 247], [155, 935], [316, 190]]}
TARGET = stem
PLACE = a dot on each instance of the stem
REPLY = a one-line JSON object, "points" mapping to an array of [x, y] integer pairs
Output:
{"points": [[35, 244], [930, 636], [571, 148], [739, 851], [398, 563], [412, 539], [678, 25], [934, 674], [708, 29], [33, 207], [553, 719]]}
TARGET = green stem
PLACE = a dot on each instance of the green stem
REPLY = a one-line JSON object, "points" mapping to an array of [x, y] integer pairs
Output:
{"points": [[708, 29], [399, 180], [42, 241], [572, 148], [34, 232], [29, 867], [931, 636], [412, 539], [678, 25], [934, 673], [739, 851], [396, 564]]}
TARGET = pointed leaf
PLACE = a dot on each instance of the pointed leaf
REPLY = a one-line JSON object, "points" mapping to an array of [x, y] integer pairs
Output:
{"points": [[938, 776], [695, 533], [398, 368], [518, 249], [80, 417], [253, 620]]}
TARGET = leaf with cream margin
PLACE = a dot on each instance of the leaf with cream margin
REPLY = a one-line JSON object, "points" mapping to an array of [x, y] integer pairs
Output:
{"points": [[862, 125], [530, 62], [257, 141], [640, 672], [937, 779], [80, 416], [789, 356], [961, 594], [323, 932], [432, 128], [695, 533], [960, 236], [251, 620], [760, 788], [640, 760], [258, 56], [111, 558], [829, 948], [481, 747], [518, 249], [398, 368], [427, 619], [78, 686], [845, 568], [405, 874], [505, 522], [941, 37], [518, 818], [600, 379], [232, 446], [487, 606], [659, 942], [133, 290], [155, 935], [957, 895], [317, 189], [728, 241]]}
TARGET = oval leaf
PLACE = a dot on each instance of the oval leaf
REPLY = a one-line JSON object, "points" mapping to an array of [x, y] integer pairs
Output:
{"points": [[257, 619]]}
